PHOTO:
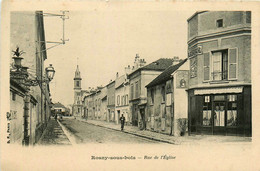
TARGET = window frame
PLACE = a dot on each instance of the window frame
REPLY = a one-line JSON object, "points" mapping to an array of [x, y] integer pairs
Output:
{"points": [[222, 51]]}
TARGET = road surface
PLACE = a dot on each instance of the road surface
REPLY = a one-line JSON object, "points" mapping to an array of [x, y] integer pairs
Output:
{"points": [[88, 133]]}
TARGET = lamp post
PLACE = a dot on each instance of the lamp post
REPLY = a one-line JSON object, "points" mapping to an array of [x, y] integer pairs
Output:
{"points": [[20, 74]]}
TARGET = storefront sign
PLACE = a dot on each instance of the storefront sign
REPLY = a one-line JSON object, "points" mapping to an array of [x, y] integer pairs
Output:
{"points": [[194, 51], [182, 79]]}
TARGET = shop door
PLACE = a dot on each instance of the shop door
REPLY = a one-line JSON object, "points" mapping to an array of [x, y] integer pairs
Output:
{"points": [[219, 118]]}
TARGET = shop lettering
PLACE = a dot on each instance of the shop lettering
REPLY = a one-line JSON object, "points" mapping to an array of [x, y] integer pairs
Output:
{"points": [[195, 51]]}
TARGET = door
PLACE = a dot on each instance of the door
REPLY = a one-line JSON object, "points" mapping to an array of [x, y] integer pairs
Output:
{"points": [[118, 116], [143, 124], [219, 117]]}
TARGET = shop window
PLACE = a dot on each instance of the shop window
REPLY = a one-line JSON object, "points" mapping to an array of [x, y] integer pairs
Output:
{"points": [[219, 23], [219, 114], [232, 110], [207, 106]]}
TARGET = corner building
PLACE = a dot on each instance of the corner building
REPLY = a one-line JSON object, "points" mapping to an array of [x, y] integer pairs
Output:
{"points": [[219, 94]]}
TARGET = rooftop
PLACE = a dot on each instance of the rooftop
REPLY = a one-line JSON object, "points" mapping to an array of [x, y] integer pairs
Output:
{"points": [[158, 65], [165, 75]]}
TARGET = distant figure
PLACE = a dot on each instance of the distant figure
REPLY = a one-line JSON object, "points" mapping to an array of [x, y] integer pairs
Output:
{"points": [[122, 119], [55, 116]]}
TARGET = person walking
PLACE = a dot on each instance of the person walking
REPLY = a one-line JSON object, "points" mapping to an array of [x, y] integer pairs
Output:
{"points": [[122, 119]]}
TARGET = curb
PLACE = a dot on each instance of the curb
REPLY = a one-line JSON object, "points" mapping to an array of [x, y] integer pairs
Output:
{"points": [[132, 133], [68, 134]]}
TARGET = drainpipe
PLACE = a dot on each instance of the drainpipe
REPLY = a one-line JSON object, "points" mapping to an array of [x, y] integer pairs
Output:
{"points": [[26, 115]]}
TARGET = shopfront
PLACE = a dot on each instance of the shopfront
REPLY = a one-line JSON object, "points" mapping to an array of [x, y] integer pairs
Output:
{"points": [[220, 111]]}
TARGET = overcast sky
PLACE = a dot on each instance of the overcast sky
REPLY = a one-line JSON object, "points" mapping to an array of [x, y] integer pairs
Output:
{"points": [[106, 41]]}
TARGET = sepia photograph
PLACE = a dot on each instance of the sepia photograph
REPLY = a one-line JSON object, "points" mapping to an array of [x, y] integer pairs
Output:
{"points": [[107, 77]]}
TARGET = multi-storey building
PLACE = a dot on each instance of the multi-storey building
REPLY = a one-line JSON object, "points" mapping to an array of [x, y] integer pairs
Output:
{"points": [[219, 51], [138, 79], [28, 118], [111, 101], [167, 100], [121, 97]]}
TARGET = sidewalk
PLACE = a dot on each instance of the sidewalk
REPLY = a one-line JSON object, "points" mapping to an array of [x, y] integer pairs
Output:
{"points": [[53, 135], [188, 140]]}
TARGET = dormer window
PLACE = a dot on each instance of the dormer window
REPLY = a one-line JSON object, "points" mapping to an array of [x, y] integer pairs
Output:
{"points": [[219, 23]]}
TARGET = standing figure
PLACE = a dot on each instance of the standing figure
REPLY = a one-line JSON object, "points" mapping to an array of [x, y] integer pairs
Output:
{"points": [[122, 119]]}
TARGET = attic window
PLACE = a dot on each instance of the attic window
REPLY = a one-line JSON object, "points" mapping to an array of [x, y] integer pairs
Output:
{"points": [[156, 63], [220, 23]]}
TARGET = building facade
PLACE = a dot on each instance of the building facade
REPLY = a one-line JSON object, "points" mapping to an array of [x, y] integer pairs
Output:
{"points": [[27, 33], [167, 101], [121, 98], [138, 79], [111, 101], [219, 51]]}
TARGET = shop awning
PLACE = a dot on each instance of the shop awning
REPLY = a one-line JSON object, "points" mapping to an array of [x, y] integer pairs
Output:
{"points": [[218, 90]]}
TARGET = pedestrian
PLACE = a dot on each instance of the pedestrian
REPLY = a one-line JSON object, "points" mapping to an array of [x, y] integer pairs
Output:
{"points": [[55, 117], [122, 119]]}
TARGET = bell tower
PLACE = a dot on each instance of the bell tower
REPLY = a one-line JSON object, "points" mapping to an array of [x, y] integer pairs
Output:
{"points": [[77, 109]]}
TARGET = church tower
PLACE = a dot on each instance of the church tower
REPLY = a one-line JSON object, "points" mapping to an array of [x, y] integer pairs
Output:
{"points": [[77, 107]]}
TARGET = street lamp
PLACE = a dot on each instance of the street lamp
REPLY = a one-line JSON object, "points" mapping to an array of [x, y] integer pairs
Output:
{"points": [[50, 72]]}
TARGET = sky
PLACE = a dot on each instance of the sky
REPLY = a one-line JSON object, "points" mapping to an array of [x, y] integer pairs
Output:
{"points": [[104, 42]]}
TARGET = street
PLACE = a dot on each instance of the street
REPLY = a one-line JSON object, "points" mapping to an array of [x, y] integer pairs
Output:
{"points": [[87, 133]]}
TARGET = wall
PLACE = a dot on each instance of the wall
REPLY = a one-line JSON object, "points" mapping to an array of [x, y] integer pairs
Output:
{"points": [[27, 30], [16, 123]]}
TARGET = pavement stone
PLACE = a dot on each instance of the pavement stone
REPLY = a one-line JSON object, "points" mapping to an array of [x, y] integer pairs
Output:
{"points": [[53, 135]]}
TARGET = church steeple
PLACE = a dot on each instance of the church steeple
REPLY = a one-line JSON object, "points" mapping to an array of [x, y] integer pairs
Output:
{"points": [[77, 79], [77, 73]]}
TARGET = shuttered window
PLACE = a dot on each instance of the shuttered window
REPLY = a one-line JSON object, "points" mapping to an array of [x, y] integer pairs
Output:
{"points": [[206, 68], [232, 64]]}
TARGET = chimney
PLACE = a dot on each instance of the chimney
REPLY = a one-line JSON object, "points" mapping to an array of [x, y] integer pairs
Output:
{"points": [[117, 75], [175, 60], [127, 69]]}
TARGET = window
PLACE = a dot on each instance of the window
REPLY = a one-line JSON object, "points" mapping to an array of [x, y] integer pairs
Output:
{"points": [[207, 120], [132, 91], [232, 110], [126, 99], [78, 110], [220, 23], [122, 100], [163, 94], [13, 96], [77, 83], [136, 90], [152, 96], [220, 65], [118, 100]]}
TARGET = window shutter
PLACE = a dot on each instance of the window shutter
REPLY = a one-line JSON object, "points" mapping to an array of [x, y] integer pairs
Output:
{"points": [[206, 66], [232, 64]]}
